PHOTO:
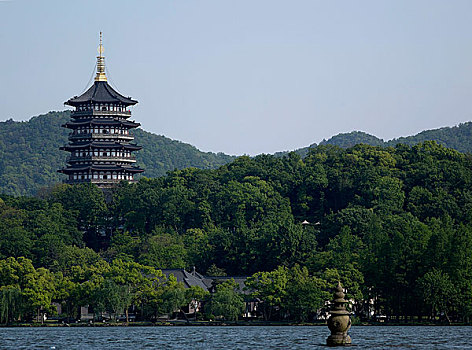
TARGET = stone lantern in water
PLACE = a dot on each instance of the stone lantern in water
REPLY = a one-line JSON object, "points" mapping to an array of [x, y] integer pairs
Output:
{"points": [[339, 321]]}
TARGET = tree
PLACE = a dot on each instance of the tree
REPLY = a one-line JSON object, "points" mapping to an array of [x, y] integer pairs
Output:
{"points": [[173, 297], [36, 286], [341, 261], [393, 261], [304, 294], [438, 292], [88, 280], [198, 247], [461, 269], [71, 255], [163, 251], [15, 239], [124, 246], [226, 302], [214, 270], [39, 291], [88, 201], [116, 298], [270, 288], [388, 194], [136, 280], [194, 295], [66, 294], [10, 304]]}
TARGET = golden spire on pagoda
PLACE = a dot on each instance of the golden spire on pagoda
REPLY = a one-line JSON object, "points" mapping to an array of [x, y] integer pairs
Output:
{"points": [[100, 63]]}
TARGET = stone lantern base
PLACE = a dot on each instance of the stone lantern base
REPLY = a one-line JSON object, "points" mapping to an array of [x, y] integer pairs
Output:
{"points": [[338, 340]]}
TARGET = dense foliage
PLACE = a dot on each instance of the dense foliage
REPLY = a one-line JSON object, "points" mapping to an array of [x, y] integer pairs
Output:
{"points": [[28, 292], [30, 155], [393, 224]]}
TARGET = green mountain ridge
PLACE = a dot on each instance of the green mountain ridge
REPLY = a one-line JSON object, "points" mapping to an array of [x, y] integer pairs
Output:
{"points": [[350, 139], [458, 137], [30, 155]]}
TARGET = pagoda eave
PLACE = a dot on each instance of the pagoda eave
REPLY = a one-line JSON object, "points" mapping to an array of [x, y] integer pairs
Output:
{"points": [[96, 144], [100, 93], [103, 168], [93, 122]]}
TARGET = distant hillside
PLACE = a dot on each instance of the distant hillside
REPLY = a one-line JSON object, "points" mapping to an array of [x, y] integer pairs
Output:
{"points": [[456, 137], [302, 152], [30, 155], [353, 138], [161, 154]]}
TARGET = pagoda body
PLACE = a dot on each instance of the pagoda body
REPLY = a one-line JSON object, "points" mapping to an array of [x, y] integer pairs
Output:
{"points": [[100, 142]]}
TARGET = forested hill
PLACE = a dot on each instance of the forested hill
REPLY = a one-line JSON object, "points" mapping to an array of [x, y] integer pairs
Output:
{"points": [[392, 224], [456, 137], [346, 140], [30, 155]]}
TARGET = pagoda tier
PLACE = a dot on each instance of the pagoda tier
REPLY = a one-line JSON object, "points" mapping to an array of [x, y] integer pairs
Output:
{"points": [[101, 175], [101, 122], [99, 142], [97, 111], [101, 130]]}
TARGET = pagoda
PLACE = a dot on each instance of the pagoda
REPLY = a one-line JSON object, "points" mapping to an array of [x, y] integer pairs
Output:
{"points": [[100, 142]]}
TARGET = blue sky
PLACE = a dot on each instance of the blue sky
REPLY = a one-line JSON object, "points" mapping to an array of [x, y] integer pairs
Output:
{"points": [[247, 77]]}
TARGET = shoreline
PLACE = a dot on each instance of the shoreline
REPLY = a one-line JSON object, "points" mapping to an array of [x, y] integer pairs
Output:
{"points": [[222, 324]]}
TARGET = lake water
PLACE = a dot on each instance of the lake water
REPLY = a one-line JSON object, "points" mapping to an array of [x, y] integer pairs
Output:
{"points": [[257, 337]]}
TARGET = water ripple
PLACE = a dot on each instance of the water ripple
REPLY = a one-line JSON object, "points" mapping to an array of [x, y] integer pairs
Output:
{"points": [[260, 337]]}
